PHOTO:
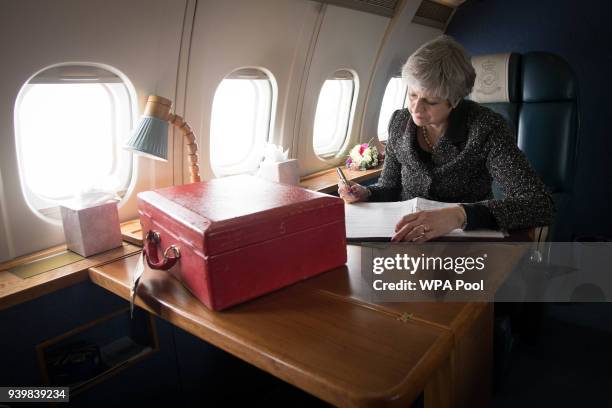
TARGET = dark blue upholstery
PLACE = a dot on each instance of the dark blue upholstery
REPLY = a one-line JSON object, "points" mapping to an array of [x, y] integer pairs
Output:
{"points": [[548, 129], [543, 109], [547, 78]]}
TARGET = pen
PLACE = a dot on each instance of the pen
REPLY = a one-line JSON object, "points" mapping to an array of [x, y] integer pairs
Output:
{"points": [[342, 176], [344, 179]]}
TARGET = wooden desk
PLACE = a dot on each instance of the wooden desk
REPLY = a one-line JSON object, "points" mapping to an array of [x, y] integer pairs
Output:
{"points": [[15, 290], [322, 336], [326, 181]]}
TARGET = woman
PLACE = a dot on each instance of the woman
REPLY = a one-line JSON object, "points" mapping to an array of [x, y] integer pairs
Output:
{"points": [[448, 149]]}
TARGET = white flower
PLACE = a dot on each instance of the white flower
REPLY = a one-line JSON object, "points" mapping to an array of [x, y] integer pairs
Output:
{"points": [[355, 156], [365, 160]]}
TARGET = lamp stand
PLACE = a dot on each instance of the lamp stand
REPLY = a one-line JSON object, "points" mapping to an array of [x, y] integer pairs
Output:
{"points": [[159, 107], [194, 169]]}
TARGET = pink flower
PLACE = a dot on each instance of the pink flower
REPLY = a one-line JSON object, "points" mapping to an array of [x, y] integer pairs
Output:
{"points": [[363, 147]]}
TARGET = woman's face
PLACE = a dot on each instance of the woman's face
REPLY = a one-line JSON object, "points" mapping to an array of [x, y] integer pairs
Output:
{"points": [[426, 109]]}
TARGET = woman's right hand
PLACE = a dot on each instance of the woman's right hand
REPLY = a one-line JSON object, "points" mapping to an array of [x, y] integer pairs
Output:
{"points": [[352, 193]]}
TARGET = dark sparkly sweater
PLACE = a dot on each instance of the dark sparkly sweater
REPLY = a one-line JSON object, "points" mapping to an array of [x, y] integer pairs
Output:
{"points": [[477, 148]]}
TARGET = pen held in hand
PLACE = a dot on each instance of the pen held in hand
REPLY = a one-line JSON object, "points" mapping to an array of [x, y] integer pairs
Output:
{"points": [[344, 180]]}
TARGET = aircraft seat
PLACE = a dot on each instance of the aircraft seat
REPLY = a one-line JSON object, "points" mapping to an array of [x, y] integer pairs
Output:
{"points": [[537, 93]]}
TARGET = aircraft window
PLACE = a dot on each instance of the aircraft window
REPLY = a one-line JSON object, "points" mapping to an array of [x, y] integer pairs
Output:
{"points": [[394, 98], [240, 122], [71, 121], [334, 110]]}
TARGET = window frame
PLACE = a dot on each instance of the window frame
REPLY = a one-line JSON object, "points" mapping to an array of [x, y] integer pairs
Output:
{"points": [[337, 144], [48, 208], [385, 135], [264, 85]]}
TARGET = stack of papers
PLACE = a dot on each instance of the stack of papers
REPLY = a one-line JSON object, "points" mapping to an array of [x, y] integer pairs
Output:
{"points": [[377, 220]]}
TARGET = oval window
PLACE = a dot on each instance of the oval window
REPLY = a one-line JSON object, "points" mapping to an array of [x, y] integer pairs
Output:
{"points": [[333, 115], [71, 121], [394, 98], [240, 121]]}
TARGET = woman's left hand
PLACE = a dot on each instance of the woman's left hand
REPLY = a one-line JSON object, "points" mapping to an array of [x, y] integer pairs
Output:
{"points": [[422, 226]]}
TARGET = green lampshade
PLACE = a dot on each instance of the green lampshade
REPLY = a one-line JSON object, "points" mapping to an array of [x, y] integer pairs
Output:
{"points": [[150, 138]]}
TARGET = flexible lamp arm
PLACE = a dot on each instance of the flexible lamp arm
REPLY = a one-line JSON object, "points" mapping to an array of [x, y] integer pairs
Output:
{"points": [[159, 107], [192, 146]]}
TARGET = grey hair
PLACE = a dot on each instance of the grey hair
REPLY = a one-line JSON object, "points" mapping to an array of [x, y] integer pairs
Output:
{"points": [[442, 68]]}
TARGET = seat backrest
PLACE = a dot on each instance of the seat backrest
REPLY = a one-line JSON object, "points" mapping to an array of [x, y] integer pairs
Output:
{"points": [[498, 85], [548, 119], [537, 93]]}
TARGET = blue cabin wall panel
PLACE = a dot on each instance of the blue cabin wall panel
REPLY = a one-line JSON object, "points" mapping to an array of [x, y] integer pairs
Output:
{"points": [[185, 372], [26, 325]]}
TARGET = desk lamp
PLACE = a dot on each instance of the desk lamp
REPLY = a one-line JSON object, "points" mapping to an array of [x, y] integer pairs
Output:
{"points": [[150, 138]]}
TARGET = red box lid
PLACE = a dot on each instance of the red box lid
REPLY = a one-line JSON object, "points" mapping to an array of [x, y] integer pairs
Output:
{"points": [[231, 212]]}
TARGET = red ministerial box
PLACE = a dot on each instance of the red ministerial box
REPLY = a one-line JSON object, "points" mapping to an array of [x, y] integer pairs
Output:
{"points": [[240, 237]]}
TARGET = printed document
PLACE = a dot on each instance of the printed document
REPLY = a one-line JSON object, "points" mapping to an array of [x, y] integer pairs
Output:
{"points": [[378, 220]]}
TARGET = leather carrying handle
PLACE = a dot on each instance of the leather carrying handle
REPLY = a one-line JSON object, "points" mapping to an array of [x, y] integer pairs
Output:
{"points": [[152, 241]]}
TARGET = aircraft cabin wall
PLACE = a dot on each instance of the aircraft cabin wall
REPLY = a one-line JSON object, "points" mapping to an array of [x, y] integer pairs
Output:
{"points": [[300, 44], [139, 39], [401, 39], [183, 50]]}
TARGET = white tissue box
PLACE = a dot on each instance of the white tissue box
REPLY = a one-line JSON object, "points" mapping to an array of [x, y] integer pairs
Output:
{"points": [[91, 230], [286, 172]]}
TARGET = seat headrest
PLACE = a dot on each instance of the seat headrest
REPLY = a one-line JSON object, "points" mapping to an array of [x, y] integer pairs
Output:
{"points": [[497, 78], [547, 77]]}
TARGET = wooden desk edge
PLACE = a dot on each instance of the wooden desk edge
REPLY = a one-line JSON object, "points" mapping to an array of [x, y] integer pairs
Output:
{"points": [[19, 291], [402, 394]]}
